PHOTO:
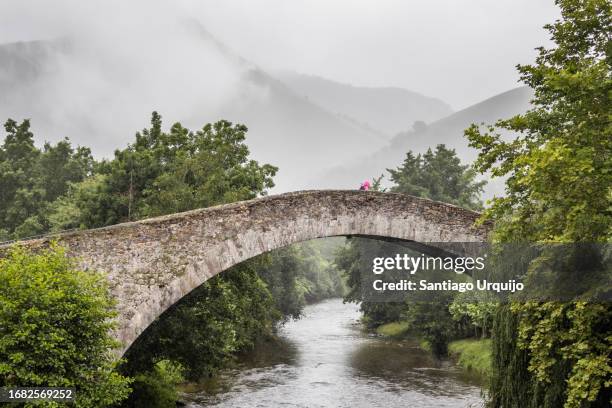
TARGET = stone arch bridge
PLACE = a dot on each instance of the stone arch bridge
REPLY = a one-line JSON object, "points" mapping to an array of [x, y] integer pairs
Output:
{"points": [[153, 263]]}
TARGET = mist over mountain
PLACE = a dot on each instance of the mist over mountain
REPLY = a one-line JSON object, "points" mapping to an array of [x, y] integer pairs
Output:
{"points": [[390, 109], [448, 131], [99, 87], [99, 96]]}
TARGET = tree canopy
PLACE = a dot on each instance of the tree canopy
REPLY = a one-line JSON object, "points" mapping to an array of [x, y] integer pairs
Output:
{"points": [[438, 175], [559, 188], [32, 178], [167, 172], [559, 164]]}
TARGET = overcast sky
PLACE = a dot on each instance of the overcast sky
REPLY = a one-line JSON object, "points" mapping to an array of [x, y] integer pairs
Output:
{"points": [[461, 51]]}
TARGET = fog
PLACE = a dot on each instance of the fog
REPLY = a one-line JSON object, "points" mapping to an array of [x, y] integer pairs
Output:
{"points": [[461, 51], [104, 66], [112, 65]]}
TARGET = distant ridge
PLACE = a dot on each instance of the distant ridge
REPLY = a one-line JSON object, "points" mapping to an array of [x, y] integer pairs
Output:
{"points": [[68, 91], [388, 109], [448, 131], [285, 129]]}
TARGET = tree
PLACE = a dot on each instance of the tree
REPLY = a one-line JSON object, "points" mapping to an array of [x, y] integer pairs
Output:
{"points": [[559, 166], [19, 196], [157, 388], [163, 173], [475, 308], [225, 315], [31, 178], [54, 327], [438, 175], [559, 177]]}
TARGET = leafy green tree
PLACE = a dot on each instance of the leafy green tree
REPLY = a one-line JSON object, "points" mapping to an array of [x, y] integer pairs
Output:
{"points": [[558, 189], [163, 173], [19, 196], [31, 178], [61, 165], [432, 321], [559, 166], [54, 327], [282, 270], [438, 175], [317, 270], [476, 309], [302, 273], [86, 204]]}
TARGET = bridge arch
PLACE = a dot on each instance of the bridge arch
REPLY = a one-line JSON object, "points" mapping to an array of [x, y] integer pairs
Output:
{"points": [[153, 263]]}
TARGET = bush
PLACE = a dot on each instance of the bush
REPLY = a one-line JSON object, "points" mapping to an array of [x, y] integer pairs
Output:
{"points": [[473, 355], [157, 388], [54, 327]]}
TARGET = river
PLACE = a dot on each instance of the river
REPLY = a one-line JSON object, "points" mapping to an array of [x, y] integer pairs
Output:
{"points": [[324, 359]]}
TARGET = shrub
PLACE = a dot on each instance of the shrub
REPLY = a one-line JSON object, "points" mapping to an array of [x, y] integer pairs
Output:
{"points": [[55, 322]]}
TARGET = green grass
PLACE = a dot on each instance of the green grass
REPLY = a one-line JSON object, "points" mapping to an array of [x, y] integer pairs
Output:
{"points": [[425, 345], [473, 354], [394, 329]]}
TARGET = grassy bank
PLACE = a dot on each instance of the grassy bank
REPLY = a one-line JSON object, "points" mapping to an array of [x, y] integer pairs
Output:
{"points": [[393, 329], [473, 354], [400, 330]]}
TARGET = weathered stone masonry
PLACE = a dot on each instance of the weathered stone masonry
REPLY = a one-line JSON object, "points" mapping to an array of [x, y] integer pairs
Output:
{"points": [[153, 263]]}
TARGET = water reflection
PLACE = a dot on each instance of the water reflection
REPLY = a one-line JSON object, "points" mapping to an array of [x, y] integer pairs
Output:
{"points": [[325, 360]]}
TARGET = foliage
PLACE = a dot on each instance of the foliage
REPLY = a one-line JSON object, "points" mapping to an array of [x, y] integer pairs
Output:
{"points": [[82, 205], [573, 337], [427, 317], [559, 167], [377, 183], [282, 270], [163, 173], [54, 327], [476, 308], [438, 175], [393, 329], [473, 355], [32, 178], [157, 388], [432, 321], [558, 189], [317, 273], [206, 329]]}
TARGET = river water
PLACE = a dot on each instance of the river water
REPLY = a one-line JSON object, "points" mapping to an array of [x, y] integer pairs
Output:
{"points": [[324, 359]]}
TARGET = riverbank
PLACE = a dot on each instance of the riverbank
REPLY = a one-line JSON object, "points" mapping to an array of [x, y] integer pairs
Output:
{"points": [[473, 355]]}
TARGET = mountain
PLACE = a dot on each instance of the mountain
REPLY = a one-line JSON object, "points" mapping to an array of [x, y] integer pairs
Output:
{"points": [[448, 131], [98, 90], [99, 95], [387, 109]]}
